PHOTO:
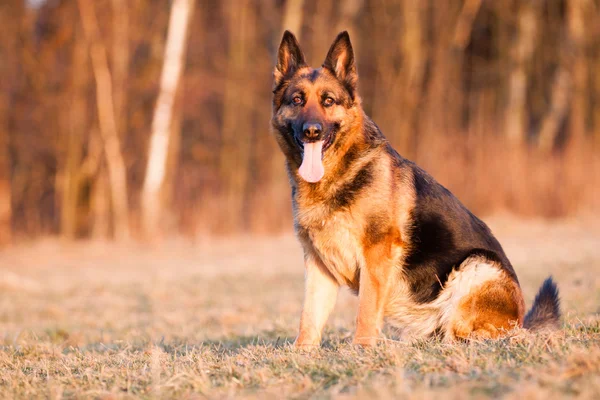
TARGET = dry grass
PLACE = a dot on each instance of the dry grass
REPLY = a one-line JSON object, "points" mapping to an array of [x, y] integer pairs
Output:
{"points": [[215, 319]]}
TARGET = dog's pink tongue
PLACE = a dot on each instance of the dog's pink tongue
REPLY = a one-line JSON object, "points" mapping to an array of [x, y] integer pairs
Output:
{"points": [[312, 169]]}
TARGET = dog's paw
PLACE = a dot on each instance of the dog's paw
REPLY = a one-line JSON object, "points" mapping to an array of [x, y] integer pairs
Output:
{"points": [[304, 344], [365, 341]]}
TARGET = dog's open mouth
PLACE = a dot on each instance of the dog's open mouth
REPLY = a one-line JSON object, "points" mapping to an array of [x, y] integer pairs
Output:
{"points": [[326, 142], [311, 169], [329, 140]]}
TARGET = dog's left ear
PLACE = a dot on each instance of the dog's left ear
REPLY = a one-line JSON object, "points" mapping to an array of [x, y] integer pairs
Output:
{"points": [[289, 58], [340, 61]]}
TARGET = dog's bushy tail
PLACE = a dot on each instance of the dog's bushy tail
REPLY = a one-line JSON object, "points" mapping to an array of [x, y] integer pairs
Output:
{"points": [[545, 312]]}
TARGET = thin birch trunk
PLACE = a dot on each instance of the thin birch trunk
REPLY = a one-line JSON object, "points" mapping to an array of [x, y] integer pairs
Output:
{"points": [[172, 72], [106, 118]]}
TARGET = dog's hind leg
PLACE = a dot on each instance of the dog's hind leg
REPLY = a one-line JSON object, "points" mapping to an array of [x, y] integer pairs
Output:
{"points": [[486, 308], [319, 299]]}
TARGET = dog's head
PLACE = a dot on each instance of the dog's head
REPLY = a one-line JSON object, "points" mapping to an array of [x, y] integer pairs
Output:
{"points": [[314, 109]]}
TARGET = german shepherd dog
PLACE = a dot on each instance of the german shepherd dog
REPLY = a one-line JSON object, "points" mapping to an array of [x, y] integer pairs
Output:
{"points": [[371, 220]]}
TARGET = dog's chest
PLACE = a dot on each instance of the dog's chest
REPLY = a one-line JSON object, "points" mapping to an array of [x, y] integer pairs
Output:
{"points": [[337, 243]]}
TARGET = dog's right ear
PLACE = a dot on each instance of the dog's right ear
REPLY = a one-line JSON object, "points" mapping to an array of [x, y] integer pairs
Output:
{"points": [[340, 61], [289, 58]]}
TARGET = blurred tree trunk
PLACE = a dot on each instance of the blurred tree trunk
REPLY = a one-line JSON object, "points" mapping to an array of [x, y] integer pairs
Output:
{"points": [[106, 117], [594, 60], [5, 198], [321, 27], [576, 28], [120, 60], [521, 54], [569, 88], [389, 87], [10, 18], [69, 175], [414, 73], [596, 90], [444, 92], [174, 61], [559, 105], [100, 206], [292, 17], [595, 69], [94, 167], [347, 16], [236, 135]]}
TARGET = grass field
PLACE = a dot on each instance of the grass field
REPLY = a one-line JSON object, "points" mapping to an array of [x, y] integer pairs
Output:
{"points": [[215, 319]]}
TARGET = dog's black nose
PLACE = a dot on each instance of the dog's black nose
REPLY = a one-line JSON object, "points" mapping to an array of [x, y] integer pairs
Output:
{"points": [[312, 130]]}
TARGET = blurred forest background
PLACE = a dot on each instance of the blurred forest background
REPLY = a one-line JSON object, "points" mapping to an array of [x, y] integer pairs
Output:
{"points": [[133, 118]]}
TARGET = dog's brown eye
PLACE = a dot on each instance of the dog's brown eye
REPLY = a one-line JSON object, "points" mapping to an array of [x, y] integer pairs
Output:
{"points": [[297, 100], [328, 102]]}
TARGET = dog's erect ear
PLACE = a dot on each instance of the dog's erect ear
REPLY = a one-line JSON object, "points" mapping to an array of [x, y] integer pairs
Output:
{"points": [[340, 61], [289, 57]]}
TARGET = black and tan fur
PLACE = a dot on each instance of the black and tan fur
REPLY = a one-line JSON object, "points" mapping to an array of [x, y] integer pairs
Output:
{"points": [[382, 226]]}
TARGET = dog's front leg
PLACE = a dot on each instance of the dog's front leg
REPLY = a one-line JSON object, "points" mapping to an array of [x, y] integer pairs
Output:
{"points": [[375, 283], [319, 299]]}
